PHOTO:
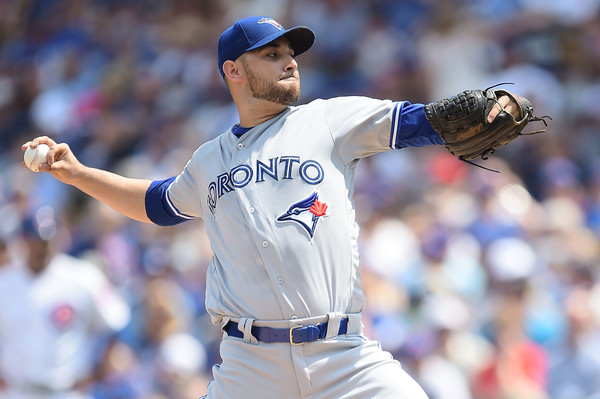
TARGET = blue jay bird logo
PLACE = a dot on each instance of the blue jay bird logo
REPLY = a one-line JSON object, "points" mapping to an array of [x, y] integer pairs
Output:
{"points": [[270, 21], [306, 213]]}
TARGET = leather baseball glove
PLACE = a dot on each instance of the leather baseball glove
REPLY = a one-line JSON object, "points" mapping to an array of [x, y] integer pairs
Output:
{"points": [[461, 121]]}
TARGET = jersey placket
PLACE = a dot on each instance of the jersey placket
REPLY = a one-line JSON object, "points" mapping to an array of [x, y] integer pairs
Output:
{"points": [[261, 231]]}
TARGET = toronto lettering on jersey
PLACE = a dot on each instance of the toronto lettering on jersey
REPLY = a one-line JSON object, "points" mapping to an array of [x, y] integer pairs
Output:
{"points": [[284, 168]]}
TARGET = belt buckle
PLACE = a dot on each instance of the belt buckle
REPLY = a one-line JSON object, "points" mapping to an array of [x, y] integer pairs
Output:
{"points": [[292, 336]]}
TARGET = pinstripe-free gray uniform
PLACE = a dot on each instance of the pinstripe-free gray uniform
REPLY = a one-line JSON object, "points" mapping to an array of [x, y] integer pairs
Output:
{"points": [[277, 204]]}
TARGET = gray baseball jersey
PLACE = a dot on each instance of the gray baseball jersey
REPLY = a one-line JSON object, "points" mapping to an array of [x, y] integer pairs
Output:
{"points": [[278, 209], [277, 205]]}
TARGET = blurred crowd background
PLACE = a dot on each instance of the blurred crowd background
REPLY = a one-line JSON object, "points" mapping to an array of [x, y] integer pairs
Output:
{"points": [[485, 285]]}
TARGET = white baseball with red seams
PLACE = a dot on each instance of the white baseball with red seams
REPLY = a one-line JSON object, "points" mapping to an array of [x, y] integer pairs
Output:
{"points": [[34, 157]]}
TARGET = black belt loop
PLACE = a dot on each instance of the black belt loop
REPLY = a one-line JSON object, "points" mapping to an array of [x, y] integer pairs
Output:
{"points": [[295, 335]]}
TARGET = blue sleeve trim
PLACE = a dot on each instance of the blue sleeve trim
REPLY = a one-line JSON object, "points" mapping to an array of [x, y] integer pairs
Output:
{"points": [[410, 127], [159, 208]]}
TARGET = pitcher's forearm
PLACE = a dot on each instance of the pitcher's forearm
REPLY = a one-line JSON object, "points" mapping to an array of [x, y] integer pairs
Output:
{"points": [[123, 194]]}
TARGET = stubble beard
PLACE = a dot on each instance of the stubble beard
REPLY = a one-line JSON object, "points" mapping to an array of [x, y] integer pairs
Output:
{"points": [[269, 91]]}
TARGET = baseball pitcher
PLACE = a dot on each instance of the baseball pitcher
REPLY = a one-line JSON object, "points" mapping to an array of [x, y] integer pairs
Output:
{"points": [[275, 193]]}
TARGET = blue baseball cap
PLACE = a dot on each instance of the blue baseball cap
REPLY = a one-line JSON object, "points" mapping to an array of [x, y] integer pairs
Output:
{"points": [[254, 32]]}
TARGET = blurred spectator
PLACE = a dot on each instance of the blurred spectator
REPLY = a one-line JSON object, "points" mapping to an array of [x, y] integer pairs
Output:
{"points": [[575, 374], [519, 365], [442, 376], [57, 315]]}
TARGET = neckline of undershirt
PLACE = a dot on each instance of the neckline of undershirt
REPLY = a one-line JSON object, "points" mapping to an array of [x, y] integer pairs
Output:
{"points": [[238, 131]]}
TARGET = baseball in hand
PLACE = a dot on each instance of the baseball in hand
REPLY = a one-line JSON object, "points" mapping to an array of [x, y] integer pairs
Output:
{"points": [[34, 157]]}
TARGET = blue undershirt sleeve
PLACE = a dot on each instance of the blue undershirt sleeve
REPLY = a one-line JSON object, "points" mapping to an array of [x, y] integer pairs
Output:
{"points": [[158, 207], [410, 127]]}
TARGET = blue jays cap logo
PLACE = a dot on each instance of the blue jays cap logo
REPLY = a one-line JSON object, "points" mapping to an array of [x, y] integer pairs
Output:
{"points": [[306, 213], [271, 21]]}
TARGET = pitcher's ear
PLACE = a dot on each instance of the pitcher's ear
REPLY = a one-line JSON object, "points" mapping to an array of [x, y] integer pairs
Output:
{"points": [[231, 70]]}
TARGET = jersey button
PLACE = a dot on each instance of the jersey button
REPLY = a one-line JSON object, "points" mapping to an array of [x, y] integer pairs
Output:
{"points": [[251, 209], [280, 280], [240, 146], [265, 244]]}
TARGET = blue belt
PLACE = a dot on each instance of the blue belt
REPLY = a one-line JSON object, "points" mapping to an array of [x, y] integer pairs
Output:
{"points": [[296, 335]]}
